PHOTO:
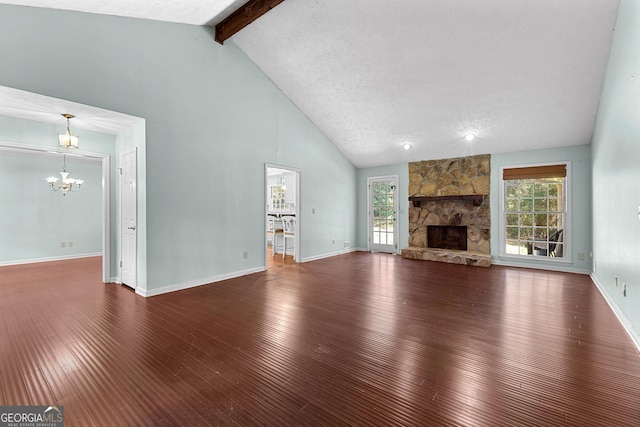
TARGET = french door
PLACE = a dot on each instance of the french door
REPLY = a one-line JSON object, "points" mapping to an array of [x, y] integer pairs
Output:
{"points": [[383, 223]]}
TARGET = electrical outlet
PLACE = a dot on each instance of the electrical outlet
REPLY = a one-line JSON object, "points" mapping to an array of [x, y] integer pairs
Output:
{"points": [[580, 256], [70, 244], [245, 255], [347, 244], [63, 244]]}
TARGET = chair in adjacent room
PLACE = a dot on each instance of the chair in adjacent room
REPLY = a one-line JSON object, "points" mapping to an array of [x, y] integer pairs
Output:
{"points": [[289, 235], [275, 234]]}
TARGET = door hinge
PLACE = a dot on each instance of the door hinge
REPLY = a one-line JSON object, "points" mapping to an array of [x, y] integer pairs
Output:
{"points": [[120, 169], [120, 263]]}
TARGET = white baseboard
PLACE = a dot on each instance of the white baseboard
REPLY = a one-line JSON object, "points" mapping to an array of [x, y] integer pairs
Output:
{"points": [[560, 267], [199, 282], [206, 281], [329, 255], [616, 310], [49, 259]]}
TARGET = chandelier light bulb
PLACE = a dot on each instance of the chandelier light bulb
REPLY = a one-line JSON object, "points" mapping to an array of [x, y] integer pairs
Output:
{"points": [[469, 137]]}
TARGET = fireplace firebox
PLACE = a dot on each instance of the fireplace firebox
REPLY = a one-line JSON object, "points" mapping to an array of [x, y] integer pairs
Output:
{"points": [[447, 237]]}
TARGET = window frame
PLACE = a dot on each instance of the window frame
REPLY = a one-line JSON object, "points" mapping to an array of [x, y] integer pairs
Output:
{"points": [[566, 254]]}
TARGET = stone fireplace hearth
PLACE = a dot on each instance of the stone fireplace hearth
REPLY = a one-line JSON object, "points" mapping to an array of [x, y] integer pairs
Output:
{"points": [[454, 193]]}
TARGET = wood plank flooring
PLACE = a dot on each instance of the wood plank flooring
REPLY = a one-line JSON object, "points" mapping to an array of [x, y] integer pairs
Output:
{"points": [[355, 340]]}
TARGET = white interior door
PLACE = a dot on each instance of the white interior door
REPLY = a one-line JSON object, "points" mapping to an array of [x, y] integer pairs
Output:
{"points": [[129, 210], [383, 229]]}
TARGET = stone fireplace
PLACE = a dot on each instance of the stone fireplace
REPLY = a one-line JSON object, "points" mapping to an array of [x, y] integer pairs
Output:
{"points": [[449, 217]]}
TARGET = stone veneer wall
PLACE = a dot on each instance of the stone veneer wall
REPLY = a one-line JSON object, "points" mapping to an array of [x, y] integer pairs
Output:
{"points": [[459, 176]]}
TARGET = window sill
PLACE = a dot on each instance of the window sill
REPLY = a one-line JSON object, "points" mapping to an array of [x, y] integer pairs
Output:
{"points": [[536, 259]]}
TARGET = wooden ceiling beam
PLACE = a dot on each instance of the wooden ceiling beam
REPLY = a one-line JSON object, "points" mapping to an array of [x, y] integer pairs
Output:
{"points": [[242, 17]]}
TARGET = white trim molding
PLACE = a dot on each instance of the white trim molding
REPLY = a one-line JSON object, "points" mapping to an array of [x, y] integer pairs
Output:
{"points": [[49, 259], [562, 267], [331, 254], [199, 282]]}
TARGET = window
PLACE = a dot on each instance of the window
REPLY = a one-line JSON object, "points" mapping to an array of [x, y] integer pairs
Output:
{"points": [[535, 212]]}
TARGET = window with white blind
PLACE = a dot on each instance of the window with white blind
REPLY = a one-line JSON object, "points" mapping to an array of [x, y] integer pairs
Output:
{"points": [[535, 212]]}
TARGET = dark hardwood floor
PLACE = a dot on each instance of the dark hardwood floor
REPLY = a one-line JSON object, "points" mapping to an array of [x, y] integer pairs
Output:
{"points": [[359, 339]]}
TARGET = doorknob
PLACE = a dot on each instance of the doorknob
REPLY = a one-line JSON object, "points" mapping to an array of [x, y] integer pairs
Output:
{"points": [[131, 228]]}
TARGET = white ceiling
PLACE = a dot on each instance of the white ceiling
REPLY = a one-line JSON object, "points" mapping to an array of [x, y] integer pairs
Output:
{"points": [[521, 75]]}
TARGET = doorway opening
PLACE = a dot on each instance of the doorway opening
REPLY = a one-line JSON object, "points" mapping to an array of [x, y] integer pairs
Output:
{"points": [[103, 160], [282, 215]]}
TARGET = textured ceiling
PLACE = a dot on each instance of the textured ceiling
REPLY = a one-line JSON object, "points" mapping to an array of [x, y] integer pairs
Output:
{"points": [[371, 75]]}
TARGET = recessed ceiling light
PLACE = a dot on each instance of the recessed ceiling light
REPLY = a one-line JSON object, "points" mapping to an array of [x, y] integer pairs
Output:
{"points": [[469, 137], [407, 145]]}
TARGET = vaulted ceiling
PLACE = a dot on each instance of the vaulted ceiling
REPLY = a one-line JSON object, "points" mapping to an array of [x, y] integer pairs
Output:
{"points": [[372, 75]]}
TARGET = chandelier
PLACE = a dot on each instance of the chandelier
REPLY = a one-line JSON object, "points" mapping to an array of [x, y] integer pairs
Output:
{"points": [[67, 140], [67, 185]]}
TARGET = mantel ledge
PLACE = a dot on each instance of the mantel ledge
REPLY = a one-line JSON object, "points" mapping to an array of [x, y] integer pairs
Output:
{"points": [[477, 199]]}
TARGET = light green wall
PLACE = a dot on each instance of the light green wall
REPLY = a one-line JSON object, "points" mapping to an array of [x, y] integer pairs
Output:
{"points": [[616, 172], [580, 192], [34, 220], [328, 182], [402, 171], [213, 119]]}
